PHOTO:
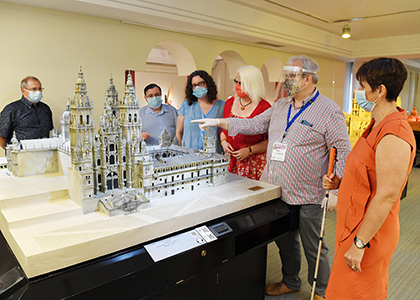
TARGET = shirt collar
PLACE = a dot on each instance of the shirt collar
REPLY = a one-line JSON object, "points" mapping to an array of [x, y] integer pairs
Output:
{"points": [[26, 102], [292, 100], [162, 110]]}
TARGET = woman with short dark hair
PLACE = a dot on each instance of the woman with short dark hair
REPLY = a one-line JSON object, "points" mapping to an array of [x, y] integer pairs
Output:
{"points": [[202, 102], [374, 177]]}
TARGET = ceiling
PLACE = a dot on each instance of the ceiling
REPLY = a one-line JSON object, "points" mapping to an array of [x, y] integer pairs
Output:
{"points": [[368, 18], [286, 25]]}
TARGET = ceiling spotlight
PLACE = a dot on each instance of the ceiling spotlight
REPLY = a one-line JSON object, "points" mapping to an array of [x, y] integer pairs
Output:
{"points": [[346, 32]]}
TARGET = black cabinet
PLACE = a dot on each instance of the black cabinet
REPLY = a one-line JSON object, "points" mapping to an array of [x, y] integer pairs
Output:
{"points": [[231, 267]]}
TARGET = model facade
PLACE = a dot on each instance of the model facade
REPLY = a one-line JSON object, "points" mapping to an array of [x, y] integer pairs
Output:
{"points": [[113, 170]]}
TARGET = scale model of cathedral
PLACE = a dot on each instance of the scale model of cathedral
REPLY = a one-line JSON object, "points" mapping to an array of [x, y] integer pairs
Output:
{"points": [[113, 170]]}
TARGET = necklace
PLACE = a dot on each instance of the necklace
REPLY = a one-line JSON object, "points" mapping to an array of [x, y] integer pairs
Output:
{"points": [[243, 106]]}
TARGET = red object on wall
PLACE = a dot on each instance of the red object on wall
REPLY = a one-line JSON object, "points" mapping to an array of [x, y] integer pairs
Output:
{"points": [[133, 76]]}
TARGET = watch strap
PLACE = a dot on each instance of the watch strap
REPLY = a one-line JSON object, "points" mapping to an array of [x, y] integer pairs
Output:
{"points": [[250, 150]]}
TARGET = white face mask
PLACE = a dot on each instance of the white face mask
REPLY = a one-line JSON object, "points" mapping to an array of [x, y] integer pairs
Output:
{"points": [[35, 96]]}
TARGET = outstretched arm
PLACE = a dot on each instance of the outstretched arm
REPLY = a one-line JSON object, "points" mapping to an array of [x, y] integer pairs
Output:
{"points": [[204, 123]]}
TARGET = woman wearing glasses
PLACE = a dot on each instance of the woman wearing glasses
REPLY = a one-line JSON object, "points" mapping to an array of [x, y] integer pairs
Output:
{"points": [[247, 152], [202, 102]]}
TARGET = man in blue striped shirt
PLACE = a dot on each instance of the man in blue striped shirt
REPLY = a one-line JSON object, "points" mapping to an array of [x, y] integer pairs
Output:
{"points": [[156, 115], [302, 128]]}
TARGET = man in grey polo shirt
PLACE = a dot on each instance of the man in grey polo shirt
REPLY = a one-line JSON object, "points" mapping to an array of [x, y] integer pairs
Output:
{"points": [[156, 115], [27, 117]]}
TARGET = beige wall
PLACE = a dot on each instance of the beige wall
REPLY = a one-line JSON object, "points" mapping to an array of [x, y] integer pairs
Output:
{"points": [[52, 44], [164, 76]]}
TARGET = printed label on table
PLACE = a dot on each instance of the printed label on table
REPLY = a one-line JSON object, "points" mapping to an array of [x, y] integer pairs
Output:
{"points": [[179, 243]]}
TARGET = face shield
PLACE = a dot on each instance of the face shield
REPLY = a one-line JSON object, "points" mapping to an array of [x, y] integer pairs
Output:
{"points": [[291, 73], [289, 80]]}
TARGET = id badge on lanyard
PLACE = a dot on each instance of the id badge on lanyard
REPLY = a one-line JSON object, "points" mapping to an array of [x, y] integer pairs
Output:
{"points": [[279, 151]]}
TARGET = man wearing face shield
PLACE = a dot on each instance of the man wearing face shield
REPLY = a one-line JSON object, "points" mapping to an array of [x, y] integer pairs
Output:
{"points": [[28, 117], [302, 128], [156, 115]]}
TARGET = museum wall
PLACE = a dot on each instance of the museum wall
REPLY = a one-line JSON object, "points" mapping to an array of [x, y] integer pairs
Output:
{"points": [[51, 45]]}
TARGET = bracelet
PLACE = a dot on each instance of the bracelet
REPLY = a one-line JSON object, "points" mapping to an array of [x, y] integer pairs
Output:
{"points": [[250, 150], [221, 142]]}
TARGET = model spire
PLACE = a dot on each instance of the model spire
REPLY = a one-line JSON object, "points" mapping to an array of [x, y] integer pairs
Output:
{"points": [[81, 98], [111, 95], [130, 92]]}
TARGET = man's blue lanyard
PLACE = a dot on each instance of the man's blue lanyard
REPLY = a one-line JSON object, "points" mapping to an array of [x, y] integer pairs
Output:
{"points": [[290, 122]]}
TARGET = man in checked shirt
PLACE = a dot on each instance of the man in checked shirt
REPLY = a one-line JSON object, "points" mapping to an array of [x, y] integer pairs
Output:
{"points": [[302, 128]]}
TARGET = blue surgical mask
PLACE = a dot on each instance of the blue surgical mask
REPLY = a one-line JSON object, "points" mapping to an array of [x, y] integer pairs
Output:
{"points": [[35, 97], [155, 102], [363, 102], [200, 92]]}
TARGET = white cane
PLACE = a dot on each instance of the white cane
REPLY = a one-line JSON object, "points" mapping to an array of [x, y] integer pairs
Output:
{"points": [[333, 152]]}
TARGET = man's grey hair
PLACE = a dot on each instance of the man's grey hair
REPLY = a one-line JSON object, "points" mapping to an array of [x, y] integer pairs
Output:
{"points": [[308, 64], [25, 80]]}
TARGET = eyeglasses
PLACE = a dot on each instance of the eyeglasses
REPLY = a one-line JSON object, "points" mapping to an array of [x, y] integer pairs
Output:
{"points": [[36, 89], [236, 81], [201, 83]]}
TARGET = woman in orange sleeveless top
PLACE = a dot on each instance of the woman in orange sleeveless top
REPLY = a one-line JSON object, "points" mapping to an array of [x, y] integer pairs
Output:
{"points": [[369, 197]]}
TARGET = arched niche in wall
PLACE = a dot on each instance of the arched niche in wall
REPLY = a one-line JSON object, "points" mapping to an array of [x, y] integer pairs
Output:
{"points": [[233, 62], [168, 65], [224, 71], [272, 69], [183, 58]]}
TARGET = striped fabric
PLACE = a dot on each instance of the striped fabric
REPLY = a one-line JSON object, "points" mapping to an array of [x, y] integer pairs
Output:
{"points": [[319, 128]]}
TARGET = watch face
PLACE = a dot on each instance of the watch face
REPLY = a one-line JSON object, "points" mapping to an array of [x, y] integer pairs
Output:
{"points": [[359, 244]]}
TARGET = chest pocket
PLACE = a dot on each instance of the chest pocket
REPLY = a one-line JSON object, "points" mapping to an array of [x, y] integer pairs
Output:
{"points": [[307, 132]]}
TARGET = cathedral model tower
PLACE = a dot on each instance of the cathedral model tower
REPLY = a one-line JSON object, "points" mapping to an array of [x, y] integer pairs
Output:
{"points": [[113, 170]]}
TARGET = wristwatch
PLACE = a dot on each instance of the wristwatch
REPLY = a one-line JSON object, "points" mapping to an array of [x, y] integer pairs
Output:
{"points": [[360, 244], [250, 150]]}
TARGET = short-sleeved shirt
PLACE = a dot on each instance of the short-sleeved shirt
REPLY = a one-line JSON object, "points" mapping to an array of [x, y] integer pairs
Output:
{"points": [[193, 135], [154, 123], [27, 120]]}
